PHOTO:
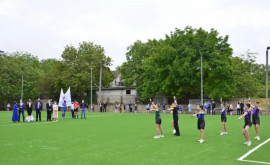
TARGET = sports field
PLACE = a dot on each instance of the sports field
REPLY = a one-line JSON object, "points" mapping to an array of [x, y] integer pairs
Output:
{"points": [[113, 138]]}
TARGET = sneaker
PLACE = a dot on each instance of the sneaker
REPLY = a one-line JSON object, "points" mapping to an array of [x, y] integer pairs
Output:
{"points": [[156, 137], [162, 136], [174, 131], [249, 143], [257, 137], [225, 133], [201, 141], [222, 133], [246, 142]]}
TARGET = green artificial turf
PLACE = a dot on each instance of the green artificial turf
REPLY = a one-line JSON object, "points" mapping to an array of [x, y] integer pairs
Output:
{"points": [[113, 138]]}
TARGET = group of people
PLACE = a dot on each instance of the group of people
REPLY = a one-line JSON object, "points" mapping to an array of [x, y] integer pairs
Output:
{"points": [[119, 107], [52, 110], [201, 122]]}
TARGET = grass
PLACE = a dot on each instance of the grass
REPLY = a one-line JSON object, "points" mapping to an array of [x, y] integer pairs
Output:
{"points": [[110, 138]]}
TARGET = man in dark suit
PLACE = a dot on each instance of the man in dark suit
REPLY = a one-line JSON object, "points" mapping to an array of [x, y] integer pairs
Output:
{"points": [[21, 106], [38, 107], [49, 110], [29, 107]]}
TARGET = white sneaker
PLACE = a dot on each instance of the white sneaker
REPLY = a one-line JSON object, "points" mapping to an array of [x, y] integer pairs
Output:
{"points": [[249, 143], [162, 136], [201, 141], [246, 142], [174, 131], [257, 137], [156, 137], [225, 133], [222, 133]]}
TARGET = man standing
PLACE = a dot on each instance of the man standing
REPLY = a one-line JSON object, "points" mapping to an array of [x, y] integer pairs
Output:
{"points": [[21, 110], [241, 108], [38, 107], [83, 107], [49, 110], [105, 107], [29, 107], [130, 106]]}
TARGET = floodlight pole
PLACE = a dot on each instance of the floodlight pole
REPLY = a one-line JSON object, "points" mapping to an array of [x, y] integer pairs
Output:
{"points": [[266, 82], [91, 87], [22, 85], [201, 73]]}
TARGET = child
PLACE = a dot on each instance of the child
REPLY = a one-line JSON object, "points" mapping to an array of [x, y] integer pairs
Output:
{"points": [[223, 120], [158, 121], [201, 122], [64, 109], [256, 119], [76, 109], [248, 124]]}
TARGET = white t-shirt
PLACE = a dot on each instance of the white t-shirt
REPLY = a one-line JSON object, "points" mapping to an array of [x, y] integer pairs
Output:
{"points": [[238, 106], [72, 106]]}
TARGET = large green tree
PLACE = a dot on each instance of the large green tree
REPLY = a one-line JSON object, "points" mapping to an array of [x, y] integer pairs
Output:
{"points": [[171, 66]]}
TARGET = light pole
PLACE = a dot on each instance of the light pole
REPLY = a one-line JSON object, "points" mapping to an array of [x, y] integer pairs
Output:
{"points": [[91, 94], [22, 85], [198, 46], [266, 83], [100, 78]]}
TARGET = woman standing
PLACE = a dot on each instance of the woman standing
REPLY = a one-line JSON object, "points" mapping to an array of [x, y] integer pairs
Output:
{"points": [[223, 120], [55, 111], [256, 119], [15, 117], [248, 124], [158, 120], [201, 122]]}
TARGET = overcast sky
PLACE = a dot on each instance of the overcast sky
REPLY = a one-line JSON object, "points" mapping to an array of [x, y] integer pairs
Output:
{"points": [[44, 27]]}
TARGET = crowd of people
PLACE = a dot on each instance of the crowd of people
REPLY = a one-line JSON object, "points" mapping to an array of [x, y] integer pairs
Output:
{"points": [[250, 118]]}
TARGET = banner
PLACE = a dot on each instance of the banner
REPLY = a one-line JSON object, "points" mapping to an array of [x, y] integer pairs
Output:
{"points": [[68, 97], [61, 98]]}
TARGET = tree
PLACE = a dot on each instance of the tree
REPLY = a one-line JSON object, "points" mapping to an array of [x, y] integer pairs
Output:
{"points": [[171, 66]]}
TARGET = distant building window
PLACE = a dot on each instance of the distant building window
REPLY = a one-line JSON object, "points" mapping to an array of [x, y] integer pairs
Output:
{"points": [[128, 92]]}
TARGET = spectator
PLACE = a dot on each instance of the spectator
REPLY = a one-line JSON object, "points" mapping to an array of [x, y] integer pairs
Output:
{"points": [[83, 107], [115, 107], [164, 108], [242, 108], [208, 107], [135, 107], [21, 110], [49, 110], [238, 107], [147, 108], [120, 108], [72, 110], [230, 109], [130, 106], [55, 111], [8, 106], [213, 108], [100, 106], [189, 108], [124, 108], [93, 108], [105, 107], [29, 107], [76, 109], [38, 107], [180, 108], [15, 117]]}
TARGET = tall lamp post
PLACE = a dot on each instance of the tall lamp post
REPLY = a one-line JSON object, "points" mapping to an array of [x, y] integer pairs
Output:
{"points": [[198, 46], [22, 84], [91, 94], [266, 83]]}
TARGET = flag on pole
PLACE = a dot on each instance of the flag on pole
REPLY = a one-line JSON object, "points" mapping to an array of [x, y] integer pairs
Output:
{"points": [[68, 97], [61, 98]]}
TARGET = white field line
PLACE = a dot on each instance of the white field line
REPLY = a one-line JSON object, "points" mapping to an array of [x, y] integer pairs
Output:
{"points": [[252, 150], [251, 161]]}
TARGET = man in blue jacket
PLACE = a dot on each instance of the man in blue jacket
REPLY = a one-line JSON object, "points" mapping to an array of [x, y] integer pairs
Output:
{"points": [[38, 107], [21, 106]]}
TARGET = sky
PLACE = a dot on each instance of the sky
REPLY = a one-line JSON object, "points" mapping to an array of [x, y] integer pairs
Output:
{"points": [[44, 27]]}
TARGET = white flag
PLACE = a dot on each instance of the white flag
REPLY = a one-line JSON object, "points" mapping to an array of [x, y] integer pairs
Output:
{"points": [[68, 97], [61, 98]]}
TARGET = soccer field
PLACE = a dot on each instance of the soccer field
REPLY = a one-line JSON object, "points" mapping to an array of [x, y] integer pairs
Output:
{"points": [[113, 138]]}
